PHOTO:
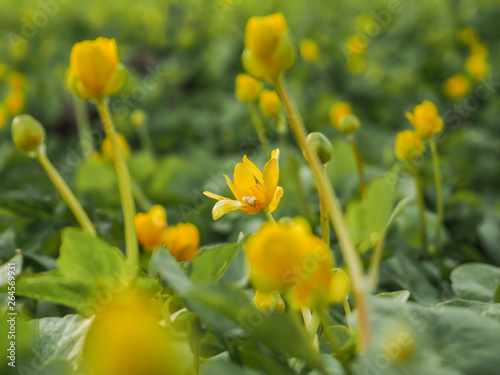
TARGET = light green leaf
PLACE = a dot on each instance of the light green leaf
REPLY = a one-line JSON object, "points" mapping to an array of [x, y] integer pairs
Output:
{"points": [[162, 263], [400, 295], [211, 263], [4, 269], [475, 281]]}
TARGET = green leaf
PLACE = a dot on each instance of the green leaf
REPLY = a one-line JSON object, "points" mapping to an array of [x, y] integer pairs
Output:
{"points": [[475, 281], [18, 261], [60, 338], [368, 217], [162, 263], [226, 368], [491, 310], [89, 260], [211, 263], [496, 295], [400, 295]]}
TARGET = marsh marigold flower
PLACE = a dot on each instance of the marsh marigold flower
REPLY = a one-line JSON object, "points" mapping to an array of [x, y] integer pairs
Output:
{"points": [[151, 227], [268, 46], [107, 147], [269, 103], [287, 257], [15, 101], [182, 240], [309, 50], [247, 88], [95, 69], [251, 196], [457, 86], [409, 145], [125, 337], [426, 120], [477, 66]]}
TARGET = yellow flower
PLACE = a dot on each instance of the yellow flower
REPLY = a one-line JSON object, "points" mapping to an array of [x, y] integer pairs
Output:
{"points": [[247, 88], [269, 103], [182, 240], [138, 118], [339, 288], [468, 35], [457, 86], [95, 70], [355, 45], [409, 145], [477, 66], [269, 300], [3, 117], [107, 147], [337, 111], [251, 196], [268, 46], [426, 119], [17, 80], [15, 102], [151, 227], [309, 50], [287, 257], [125, 337]]}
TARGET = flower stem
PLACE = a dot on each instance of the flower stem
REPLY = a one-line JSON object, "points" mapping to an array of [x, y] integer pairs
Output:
{"points": [[259, 127], [267, 214], [337, 219], [125, 186], [439, 191], [83, 126], [66, 193], [421, 208], [140, 197], [347, 310], [323, 213], [359, 166]]}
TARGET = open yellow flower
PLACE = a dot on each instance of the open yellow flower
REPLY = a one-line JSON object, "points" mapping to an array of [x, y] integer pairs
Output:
{"points": [[95, 69], [426, 120], [268, 47], [409, 145], [251, 196]]}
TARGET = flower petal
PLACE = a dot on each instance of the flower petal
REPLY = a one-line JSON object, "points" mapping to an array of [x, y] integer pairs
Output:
{"points": [[253, 168], [271, 177], [214, 196], [410, 117], [225, 206], [276, 199], [231, 186], [243, 179]]}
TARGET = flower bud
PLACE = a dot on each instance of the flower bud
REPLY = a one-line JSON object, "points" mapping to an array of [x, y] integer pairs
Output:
{"points": [[151, 227], [409, 146], [269, 103], [247, 88], [426, 120], [15, 101], [337, 111], [321, 146], [268, 47], [107, 147], [457, 86], [348, 124], [182, 240], [27, 133], [340, 286], [138, 117], [309, 50]]}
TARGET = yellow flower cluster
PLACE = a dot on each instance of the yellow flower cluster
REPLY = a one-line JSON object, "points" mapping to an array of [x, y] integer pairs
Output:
{"points": [[182, 240], [15, 100]]}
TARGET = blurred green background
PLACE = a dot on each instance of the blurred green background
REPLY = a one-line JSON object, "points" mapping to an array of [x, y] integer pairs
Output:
{"points": [[183, 57]]}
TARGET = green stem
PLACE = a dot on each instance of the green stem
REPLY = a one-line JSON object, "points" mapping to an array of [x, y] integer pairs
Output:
{"points": [[140, 197], [347, 310], [439, 191], [323, 213], [333, 341], [359, 166], [259, 127], [267, 214], [66, 193], [145, 138], [421, 208], [334, 210], [125, 186], [83, 125]]}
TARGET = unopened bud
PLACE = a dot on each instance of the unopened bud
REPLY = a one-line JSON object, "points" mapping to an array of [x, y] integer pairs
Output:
{"points": [[321, 146], [340, 286], [349, 124], [27, 133]]}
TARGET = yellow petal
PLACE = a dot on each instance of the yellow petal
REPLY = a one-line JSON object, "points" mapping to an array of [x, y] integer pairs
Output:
{"points": [[225, 206], [276, 199], [214, 196], [410, 117], [231, 186], [271, 176], [243, 179], [253, 168]]}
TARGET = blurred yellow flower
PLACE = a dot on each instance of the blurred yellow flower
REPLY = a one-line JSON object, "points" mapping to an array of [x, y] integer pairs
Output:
{"points": [[17, 80], [247, 88], [268, 46], [15, 102], [409, 145], [138, 117], [309, 50], [477, 66], [340, 286], [151, 227], [269, 103], [107, 147], [426, 120], [182, 240], [355, 44], [95, 70], [468, 35], [457, 86], [251, 196], [125, 337], [337, 111], [287, 257], [3, 117], [269, 300]]}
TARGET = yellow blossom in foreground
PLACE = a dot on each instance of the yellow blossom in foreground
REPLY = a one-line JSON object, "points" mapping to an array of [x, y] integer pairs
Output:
{"points": [[337, 111], [251, 196], [287, 257], [182, 240], [247, 88], [268, 47], [151, 227], [125, 337], [107, 147], [309, 50], [426, 120], [15, 102], [477, 66], [409, 145], [457, 86], [269, 103], [95, 70]]}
